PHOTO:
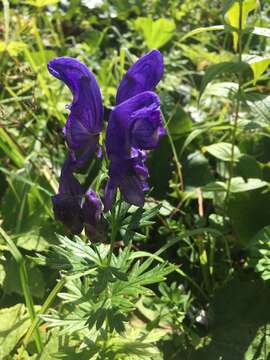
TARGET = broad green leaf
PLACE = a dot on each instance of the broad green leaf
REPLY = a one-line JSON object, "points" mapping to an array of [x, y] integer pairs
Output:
{"points": [[196, 171], [259, 104], [230, 67], [216, 186], [180, 123], [220, 89], [222, 151], [258, 65], [12, 280], [249, 213], [14, 323], [232, 16], [155, 32], [238, 184], [261, 31]]}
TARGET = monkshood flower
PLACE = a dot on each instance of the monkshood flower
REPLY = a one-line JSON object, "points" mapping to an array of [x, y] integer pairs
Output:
{"points": [[67, 203], [92, 213], [84, 122], [71, 206], [130, 176], [135, 126], [74, 209]]}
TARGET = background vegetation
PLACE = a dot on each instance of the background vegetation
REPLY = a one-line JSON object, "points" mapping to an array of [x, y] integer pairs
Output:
{"points": [[204, 294]]}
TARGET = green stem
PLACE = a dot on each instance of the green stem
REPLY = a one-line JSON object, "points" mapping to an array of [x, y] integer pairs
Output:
{"points": [[237, 107], [113, 235], [175, 155], [43, 310], [24, 283]]}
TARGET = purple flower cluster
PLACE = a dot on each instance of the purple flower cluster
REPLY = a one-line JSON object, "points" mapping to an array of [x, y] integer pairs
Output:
{"points": [[135, 126]]}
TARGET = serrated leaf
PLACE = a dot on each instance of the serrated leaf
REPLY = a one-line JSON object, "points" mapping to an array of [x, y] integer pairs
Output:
{"points": [[222, 151], [155, 32]]}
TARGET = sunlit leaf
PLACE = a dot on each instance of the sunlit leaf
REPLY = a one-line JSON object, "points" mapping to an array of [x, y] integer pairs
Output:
{"points": [[258, 65], [14, 322], [229, 67], [232, 16], [156, 33], [41, 3], [222, 151]]}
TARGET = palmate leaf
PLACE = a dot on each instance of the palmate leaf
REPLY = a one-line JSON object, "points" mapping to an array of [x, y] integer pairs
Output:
{"points": [[73, 256], [103, 294]]}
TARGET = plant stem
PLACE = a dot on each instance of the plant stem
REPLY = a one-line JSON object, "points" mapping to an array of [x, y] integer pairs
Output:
{"points": [[237, 107], [114, 223], [175, 155], [43, 310], [24, 284]]}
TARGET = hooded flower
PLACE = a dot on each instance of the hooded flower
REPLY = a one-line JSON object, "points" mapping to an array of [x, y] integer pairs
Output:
{"points": [[135, 125], [71, 206], [67, 203], [84, 122], [74, 209], [130, 176], [92, 214], [143, 75]]}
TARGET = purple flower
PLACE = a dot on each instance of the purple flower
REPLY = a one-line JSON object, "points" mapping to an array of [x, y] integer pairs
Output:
{"points": [[74, 209], [92, 214], [143, 75], [130, 176], [84, 122], [67, 203], [135, 125]]}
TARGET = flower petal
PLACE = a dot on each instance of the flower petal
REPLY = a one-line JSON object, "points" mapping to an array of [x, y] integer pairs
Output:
{"points": [[122, 118], [67, 209], [142, 76], [86, 110], [109, 195], [68, 184], [92, 208], [129, 175], [132, 190]]}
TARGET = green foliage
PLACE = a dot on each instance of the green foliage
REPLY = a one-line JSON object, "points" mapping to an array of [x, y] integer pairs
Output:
{"points": [[184, 277], [155, 32]]}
